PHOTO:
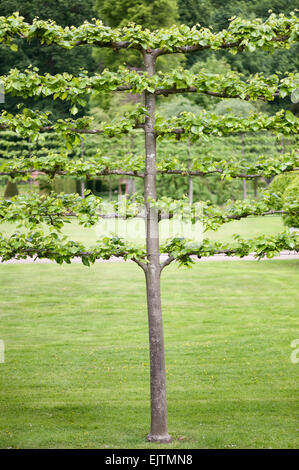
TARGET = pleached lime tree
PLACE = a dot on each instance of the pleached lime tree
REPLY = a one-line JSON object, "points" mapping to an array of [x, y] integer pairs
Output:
{"points": [[277, 31]]}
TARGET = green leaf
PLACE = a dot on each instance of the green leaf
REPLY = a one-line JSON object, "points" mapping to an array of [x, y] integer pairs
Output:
{"points": [[74, 109], [290, 117], [14, 47], [85, 261]]}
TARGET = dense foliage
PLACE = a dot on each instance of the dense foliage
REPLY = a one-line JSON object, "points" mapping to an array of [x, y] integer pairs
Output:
{"points": [[49, 58], [277, 31]]}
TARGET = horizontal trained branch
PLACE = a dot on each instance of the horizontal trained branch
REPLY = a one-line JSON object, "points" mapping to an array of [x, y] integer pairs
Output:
{"points": [[189, 125], [53, 163], [212, 216], [184, 251], [30, 123], [277, 31], [60, 249], [38, 245], [55, 209], [65, 86]]}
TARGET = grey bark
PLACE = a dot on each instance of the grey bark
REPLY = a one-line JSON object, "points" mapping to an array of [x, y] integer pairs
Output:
{"points": [[132, 180], [244, 188], [282, 145], [110, 190], [255, 187], [159, 425], [82, 188], [82, 182], [190, 177], [244, 179]]}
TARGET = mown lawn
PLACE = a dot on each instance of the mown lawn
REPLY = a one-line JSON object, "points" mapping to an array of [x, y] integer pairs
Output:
{"points": [[76, 370]]}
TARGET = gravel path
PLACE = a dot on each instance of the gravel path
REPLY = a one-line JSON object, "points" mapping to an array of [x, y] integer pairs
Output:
{"points": [[283, 255]]}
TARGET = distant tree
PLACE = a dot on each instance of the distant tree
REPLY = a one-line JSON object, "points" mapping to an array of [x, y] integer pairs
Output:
{"points": [[48, 58], [11, 190], [290, 199], [154, 14], [194, 11], [211, 64], [237, 107], [218, 13], [286, 189], [151, 14]]}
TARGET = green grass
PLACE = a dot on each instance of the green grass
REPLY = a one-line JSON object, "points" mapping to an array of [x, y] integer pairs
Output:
{"points": [[76, 371]]}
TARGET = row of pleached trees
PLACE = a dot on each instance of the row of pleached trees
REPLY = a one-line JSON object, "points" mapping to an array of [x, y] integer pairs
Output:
{"points": [[247, 147], [278, 31]]}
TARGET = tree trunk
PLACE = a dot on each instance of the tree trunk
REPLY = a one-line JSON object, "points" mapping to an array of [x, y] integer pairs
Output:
{"points": [[244, 188], [282, 145], [244, 179], [255, 187], [133, 189], [82, 188], [190, 177], [110, 190], [11, 190], [132, 180], [159, 426]]}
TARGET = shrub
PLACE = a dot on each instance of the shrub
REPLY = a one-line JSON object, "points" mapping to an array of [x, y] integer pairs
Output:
{"points": [[279, 185], [45, 185], [291, 200]]}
